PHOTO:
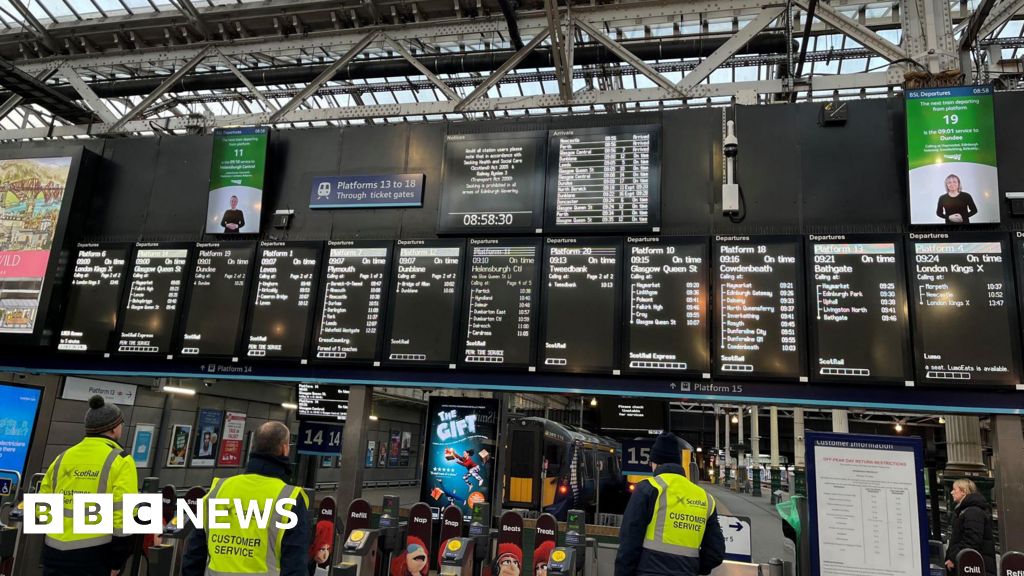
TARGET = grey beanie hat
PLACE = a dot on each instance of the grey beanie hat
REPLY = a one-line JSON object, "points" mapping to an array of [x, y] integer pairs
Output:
{"points": [[101, 416]]}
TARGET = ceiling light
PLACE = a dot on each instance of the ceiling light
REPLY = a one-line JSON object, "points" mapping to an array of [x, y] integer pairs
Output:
{"points": [[735, 419], [373, 417], [289, 406], [179, 390], [593, 401], [898, 426], [942, 419]]}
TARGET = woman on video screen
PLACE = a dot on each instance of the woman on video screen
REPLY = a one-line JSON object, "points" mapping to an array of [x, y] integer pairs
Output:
{"points": [[955, 206]]}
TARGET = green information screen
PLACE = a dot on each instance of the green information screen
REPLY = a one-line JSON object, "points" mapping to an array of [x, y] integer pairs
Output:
{"points": [[236, 180], [951, 153]]}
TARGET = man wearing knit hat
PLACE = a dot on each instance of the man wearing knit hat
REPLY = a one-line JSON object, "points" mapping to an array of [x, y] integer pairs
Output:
{"points": [[670, 527], [96, 465]]}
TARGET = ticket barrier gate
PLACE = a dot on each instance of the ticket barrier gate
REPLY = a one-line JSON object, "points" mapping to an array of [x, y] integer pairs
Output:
{"points": [[164, 559], [570, 559], [458, 558], [10, 531], [359, 554], [367, 551]]}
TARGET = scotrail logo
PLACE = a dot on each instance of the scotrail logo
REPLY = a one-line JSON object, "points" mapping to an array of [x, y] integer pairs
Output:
{"points": [[953, 157]]}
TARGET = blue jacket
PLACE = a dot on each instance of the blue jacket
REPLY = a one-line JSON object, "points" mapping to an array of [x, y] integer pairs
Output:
{"points": [[634, 560], [294, 544]]}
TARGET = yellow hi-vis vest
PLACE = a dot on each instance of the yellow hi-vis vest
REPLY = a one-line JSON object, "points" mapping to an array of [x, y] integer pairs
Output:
{"points": [[96, 465], [250, 550], [681, 514]]}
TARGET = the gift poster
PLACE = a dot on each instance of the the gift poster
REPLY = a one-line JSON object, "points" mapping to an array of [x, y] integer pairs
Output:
{"points": [[204, 448], [460, 459], [178, 450], [234, 436], [394, 448], [371, 453]]}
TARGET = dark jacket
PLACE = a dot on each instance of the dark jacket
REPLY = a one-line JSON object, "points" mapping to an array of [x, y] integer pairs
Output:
{"points": [[294, 545], [972, 528], [634, 560]]}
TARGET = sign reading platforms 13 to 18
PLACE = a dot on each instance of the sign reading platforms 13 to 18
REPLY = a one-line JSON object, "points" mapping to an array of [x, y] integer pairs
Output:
{"points": [[951, 154], [236, 180]]}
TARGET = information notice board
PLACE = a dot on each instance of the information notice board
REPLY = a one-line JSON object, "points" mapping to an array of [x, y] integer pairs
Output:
{"points": [[152, 304], [280, 317], [866, 505], [217, 299], [94, 299]]}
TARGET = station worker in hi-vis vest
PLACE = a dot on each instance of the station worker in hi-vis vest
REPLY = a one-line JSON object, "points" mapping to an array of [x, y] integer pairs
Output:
{"points": [[96, 465], [254, 549], [670, 527]]}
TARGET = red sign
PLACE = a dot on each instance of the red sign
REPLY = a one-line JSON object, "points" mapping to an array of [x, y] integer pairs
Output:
{"points": [[231, 444]]}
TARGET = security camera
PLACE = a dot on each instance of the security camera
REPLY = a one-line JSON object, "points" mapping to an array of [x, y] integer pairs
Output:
{"points": [[209, 383]]}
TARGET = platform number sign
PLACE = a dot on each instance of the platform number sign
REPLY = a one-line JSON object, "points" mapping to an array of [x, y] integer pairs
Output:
{"points": [[636, 457], [319, 438]]}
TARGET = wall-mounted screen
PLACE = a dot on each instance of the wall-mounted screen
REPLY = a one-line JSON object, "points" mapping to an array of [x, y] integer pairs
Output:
{"points": [[281, 313], [21, 410], [857, 303], [759, 306], [94, 299], [425, 296], [965, 309], [153, 302], [666, 314], [604, 179], [493, 183], [580, 318], [236, 180], [461, 449], [638, 414], [217, 299], [951, 153], [327, 402], [355, 283], [501, 301]]}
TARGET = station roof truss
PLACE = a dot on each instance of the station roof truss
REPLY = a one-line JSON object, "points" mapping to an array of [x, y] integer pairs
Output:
{"points": [[86, 68]]}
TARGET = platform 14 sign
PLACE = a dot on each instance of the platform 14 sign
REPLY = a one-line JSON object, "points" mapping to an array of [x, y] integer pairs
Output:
{"points": [[319, 438]]}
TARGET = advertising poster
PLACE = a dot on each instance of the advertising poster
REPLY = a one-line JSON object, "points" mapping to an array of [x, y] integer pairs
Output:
{"points": [[371, 453], [31, 194], [382, 457], [403, 452], [142, 444], [951, 154], [236, 180], [866, 505], [234, 436], [178, 451], [394, 448], [460, 459], [21, 407], [204, 448]]}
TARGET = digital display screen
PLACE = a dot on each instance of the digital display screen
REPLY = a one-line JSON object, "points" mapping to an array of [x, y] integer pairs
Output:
{"points": [[666, 315], [632, 414], [94, 298], [759, 306], [965, 309], [351, 315], [606, 179], [327, 402], [857, 307], [493, 183], [582, 305], [154, 298], [502, 295], [280, 316], [216, 305], [425, 297], [21, 410]]}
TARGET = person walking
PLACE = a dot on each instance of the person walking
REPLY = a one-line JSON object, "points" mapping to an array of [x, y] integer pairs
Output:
{"points": [[972, 526]]}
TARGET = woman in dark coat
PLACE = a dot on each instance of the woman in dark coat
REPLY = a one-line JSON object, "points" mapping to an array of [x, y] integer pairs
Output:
{"points": [[972, 527]]}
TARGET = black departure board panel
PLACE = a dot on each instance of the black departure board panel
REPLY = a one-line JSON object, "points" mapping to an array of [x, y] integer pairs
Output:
{"points": [[965, 309], [280, 317], [94, 297], [350, 319], [425, 296], [493, 183], [216, 304], [327, 402], [666, 314], [580, 320], [857, 307], [153, 303], [604, 179], [501, 302], [759, 306]]}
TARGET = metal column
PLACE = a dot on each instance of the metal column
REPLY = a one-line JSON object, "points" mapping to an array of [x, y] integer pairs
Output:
{"points": [[755, 451], [353, 446], [799, 485], [725, 474], [963, 445], [1009, 469], [840, 421], [741, 464], [775, 472]]}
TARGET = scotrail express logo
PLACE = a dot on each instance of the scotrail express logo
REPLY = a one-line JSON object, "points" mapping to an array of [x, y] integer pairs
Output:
{"points": [[94, 513]]}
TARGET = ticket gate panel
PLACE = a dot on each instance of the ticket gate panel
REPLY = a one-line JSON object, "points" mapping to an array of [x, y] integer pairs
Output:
{"points": [[358, 554], [458, 557]]}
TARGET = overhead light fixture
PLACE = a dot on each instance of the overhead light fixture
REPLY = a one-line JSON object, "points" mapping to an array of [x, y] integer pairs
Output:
{"points": [[735, 419], [593, 401], [289, 406], [699, 449], [179, 390], [373, 417], [942, 419], [898, 426]]}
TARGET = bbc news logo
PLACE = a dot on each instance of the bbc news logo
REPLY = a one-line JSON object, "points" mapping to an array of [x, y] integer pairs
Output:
{"points": [[94, 513]]}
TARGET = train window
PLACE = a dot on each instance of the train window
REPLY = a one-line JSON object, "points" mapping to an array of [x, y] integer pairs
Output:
{"points": [[554, 454], [588, 464], [523, 462]]}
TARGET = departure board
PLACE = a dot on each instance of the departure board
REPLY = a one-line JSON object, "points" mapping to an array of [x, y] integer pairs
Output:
{"points": [[857, 306], [759, 312], [493, 183], [501, 301], [216, 304], [280, 317], [580, 320], [327, 402], [351, 314], [153, 303], [425, 296], [606, 179], [94, 297], [965, 309], [666, 323]]}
